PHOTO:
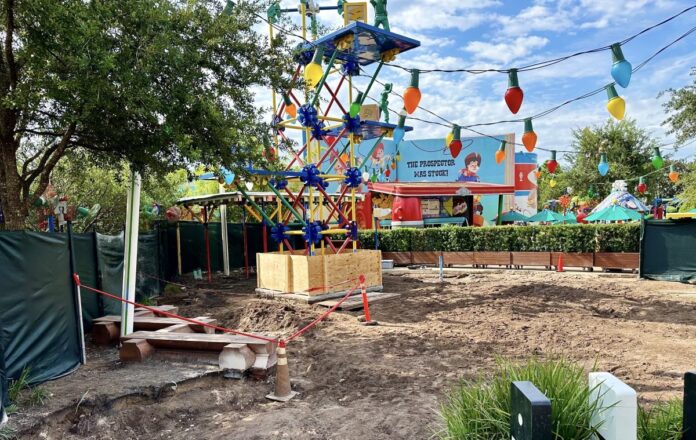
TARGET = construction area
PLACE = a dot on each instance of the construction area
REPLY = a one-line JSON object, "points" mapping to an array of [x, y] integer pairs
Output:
{"points": [[379, 382]]}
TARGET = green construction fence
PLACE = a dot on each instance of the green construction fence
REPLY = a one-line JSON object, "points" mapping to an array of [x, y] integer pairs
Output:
{"points": [[668, 250]]}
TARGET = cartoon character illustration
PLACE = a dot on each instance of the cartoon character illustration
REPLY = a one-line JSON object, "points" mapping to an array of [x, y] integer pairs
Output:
{"points": [[378, 158], [470, 174]]}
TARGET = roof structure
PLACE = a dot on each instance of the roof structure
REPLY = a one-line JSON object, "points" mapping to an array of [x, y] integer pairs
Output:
{"points": [[236, 198], [435, 189]]}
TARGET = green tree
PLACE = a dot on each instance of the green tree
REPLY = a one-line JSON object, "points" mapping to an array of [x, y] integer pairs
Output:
{"points": [[159, 84], [688, 185], [629, 150], [682, 109]]}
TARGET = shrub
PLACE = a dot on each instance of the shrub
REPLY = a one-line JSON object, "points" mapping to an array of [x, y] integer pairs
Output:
{"points": [[560, 238], [480, 409]]}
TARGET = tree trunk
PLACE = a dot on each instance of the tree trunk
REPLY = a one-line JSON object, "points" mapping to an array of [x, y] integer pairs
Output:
{"points": [[14, 208]]}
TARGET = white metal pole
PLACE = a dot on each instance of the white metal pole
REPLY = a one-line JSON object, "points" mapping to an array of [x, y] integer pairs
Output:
{"points": [[130, 253], [223, 234]]}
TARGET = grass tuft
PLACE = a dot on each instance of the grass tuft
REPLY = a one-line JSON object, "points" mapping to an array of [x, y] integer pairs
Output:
{"points": [[479, 409], [16, 386], [8, 433], [662, 421]]}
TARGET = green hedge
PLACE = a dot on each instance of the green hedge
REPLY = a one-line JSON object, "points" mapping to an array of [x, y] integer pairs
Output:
{"points": [[565, 238]]}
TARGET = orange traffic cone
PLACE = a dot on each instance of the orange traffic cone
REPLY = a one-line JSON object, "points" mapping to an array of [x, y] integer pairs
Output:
{"points": [[559, 267], [282, 392]]}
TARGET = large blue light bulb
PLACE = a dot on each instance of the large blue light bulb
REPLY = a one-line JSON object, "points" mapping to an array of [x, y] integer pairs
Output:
{"points": [[621, 69], [603, 166]]}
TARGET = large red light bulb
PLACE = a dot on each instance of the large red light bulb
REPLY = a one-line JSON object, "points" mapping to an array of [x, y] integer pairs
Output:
{"points": [[514, 94]]}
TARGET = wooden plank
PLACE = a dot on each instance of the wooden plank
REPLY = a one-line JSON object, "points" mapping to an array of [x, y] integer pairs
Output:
{"points": [[193, 341], [135, 350], [355, 302], [157, 323], [531, 258], [177, 328], [617, 260], [573, 259], [104, 333], [139, 311], [400, 258], [311, 299], [425, 257], [495, 258], [458, 258]]}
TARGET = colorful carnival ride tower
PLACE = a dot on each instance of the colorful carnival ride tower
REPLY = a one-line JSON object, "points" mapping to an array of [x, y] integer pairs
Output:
{"points": [[325, 113]]}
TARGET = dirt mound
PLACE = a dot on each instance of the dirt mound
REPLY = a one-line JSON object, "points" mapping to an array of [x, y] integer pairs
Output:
{"points": [[266, 316]]}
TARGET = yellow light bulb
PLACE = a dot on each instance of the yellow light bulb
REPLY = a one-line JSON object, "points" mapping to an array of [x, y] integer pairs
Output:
{"points": [[312, 74], [617, 107], [552, 183]]}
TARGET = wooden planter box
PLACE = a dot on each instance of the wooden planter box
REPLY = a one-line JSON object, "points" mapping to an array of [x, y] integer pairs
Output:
{"points": [[458, 258], [400, 258], [294, 272], [494, 258], [531, 259], [617, 260], [574, 259], [425, 257]]}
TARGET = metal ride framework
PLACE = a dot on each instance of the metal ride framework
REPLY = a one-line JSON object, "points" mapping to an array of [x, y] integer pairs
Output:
{"points": [[324, 122]]}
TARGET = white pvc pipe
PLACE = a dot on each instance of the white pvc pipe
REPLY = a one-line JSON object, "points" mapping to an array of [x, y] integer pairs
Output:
{"points": [[130, 253], [223, 234]]}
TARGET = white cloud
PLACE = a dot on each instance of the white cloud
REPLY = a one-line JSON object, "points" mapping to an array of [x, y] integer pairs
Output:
{"points": [[536, 18], [507, 51], [438, 14]]}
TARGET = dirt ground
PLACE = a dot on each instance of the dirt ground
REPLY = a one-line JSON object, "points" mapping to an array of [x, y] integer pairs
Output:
{"points": [[383, 382]]}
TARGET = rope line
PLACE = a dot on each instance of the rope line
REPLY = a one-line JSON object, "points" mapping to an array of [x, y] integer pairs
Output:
{"points": [[76, 279]]}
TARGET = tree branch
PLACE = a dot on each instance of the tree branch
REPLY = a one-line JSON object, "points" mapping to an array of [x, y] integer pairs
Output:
{"points": [[47, 163], [9, 37]]}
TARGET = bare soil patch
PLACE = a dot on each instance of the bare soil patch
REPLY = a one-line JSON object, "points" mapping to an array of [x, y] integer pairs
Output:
{"points": [[383, 382]]}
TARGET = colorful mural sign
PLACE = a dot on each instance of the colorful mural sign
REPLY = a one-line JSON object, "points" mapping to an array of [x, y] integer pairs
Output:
{"points": [[428, 160]]}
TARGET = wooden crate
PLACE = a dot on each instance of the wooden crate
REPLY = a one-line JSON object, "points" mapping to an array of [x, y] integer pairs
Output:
{"points": [[279, 278], [425, 257], [458, 258], [531, 259], [317, 275], [617, 260], [573, 259]]}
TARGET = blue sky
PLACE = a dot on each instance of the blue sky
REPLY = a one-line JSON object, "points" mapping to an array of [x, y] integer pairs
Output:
{"points": [[504, 34]]}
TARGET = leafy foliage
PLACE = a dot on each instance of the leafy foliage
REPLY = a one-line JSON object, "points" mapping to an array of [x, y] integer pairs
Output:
{"points": [[559, 238], [629, 151], [159, 84], [688, 193], [682, 109]]}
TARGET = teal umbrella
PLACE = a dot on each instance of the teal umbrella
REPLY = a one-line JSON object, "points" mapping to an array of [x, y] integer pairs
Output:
{"points": [[569, 218], [614, 213], [513, 216], [546, 216]]}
